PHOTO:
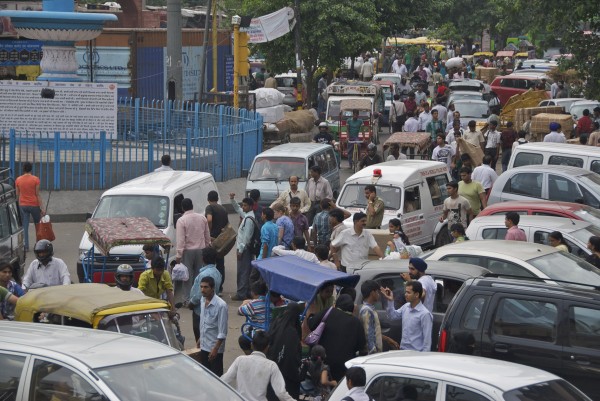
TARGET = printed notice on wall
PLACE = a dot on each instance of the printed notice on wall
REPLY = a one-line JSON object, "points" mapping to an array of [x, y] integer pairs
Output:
{"points": [[71, 108]]}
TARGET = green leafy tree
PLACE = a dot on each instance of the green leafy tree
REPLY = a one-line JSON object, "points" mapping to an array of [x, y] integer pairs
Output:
{"points": [[330, 30]]}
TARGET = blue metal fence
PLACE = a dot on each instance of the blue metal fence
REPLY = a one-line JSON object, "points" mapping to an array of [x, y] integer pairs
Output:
{"points": [[198, 137]]}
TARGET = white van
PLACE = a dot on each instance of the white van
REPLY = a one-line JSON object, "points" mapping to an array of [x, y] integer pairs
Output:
{"points": [[271, 170], [152, 196], [561, 154], [412, 190]]}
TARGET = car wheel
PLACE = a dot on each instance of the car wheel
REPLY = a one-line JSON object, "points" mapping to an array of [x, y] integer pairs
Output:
{"points": [[443, 237]]}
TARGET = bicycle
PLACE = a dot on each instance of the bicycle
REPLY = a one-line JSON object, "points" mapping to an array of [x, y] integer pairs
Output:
{"points": [[355, 159]]}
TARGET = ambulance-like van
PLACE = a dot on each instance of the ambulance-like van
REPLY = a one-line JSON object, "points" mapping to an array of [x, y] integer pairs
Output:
{"points": [[412, 190]]}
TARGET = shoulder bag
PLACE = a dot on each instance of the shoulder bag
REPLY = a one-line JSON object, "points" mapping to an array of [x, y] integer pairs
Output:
{"points": [[314, 336]]}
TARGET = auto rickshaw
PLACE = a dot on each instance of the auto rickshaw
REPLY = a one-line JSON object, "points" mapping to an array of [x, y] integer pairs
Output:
{"points": [[365, 113], [98, 306]]}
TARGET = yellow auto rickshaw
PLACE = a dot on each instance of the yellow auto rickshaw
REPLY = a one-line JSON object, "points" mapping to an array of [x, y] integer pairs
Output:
{"points": [[101, 307]]}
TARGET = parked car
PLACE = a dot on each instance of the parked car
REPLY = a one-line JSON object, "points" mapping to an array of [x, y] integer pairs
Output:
{"points": [[559, 154], [564, 102], [554, 183], [575, 211], [428, 376], [477, 110], [449, 276], [541, 64], [12, 245], [51, 362], [514, 84], [537, 229], [533, 323], [522, 259], [467, 84]]}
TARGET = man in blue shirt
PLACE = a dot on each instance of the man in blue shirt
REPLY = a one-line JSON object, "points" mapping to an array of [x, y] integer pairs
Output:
{"points": [[213, 327], [209, 259], [417, 321], [269, 233]]}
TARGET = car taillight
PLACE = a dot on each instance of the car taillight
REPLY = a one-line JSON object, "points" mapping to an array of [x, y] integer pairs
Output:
{"points": [[442, 341]]}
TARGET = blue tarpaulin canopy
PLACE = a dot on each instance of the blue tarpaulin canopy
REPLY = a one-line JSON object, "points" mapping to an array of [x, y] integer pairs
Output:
{"points": [[298, 279]]}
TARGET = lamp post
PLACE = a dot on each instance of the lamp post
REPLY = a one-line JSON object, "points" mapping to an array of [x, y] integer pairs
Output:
{"points": [[235, 21], [298, 56]]}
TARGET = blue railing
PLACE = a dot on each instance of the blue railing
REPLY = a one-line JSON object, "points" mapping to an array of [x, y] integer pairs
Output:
{"points": [[198, 137]]}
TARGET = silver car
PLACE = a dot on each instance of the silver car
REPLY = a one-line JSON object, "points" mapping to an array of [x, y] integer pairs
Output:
{"points": [[48, 362]]}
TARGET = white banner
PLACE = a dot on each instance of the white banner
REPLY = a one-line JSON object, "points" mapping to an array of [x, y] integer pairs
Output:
{"points": [[270, 27], [77, 108]]}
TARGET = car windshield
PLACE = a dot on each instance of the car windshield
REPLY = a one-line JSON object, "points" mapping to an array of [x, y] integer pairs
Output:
{"points": [[174, 377], [584, 234], [286, 82], [465, 86], [155, 208], [354, 196], [577, 109], [554, 390], [473, 110], [590, 215], [277, 169], [566, 267]]}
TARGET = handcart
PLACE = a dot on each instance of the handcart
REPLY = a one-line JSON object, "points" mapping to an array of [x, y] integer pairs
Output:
{"points": [[297, 280], [415, 145], [127, 233]]}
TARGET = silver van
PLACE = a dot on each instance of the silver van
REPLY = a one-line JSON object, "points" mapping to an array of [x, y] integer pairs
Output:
{"points": [[47, 362], [271, 170], [153, 196], [553, 183], [561, 154]]}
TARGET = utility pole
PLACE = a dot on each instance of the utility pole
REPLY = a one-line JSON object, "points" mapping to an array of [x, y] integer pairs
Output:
{"points": [[235, 21], [215, 44], [204, 51], [174, 67], [299, 86]]}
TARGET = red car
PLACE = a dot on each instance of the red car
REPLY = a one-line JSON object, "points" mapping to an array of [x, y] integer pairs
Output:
{"points": [[515, 84], [575, 211]]}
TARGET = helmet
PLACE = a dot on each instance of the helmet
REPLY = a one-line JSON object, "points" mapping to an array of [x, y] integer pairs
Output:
{"points": [[45, 246], [124, 270], [323, 125]]}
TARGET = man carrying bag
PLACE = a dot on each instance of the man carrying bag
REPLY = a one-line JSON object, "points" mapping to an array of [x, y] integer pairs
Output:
{"points": [[397, 115]]}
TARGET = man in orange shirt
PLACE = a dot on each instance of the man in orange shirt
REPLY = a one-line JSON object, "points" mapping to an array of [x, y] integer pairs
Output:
{"points": [[30, 200]]}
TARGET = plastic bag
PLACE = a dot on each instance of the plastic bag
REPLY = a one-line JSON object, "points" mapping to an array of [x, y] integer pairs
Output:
{"points": [[180, 272]]}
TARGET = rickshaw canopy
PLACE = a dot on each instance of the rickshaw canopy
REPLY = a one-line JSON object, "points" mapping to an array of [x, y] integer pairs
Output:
{"points": [[484, 54], [86, 302], [359, 104], [106, 233], [298, 279], [505, 53]]}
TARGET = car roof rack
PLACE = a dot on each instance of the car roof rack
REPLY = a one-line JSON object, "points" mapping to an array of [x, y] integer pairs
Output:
{"points": [[538, 279]]}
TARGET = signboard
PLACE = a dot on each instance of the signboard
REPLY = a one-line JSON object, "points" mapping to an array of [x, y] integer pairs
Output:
{"points": [[228, 73], [191, 58], [76, 109], [269, 27], [15, 52], [351, 89]]}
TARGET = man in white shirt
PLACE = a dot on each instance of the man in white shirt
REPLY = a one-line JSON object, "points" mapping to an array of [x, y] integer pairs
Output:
{"points": [[165, 164], [354, 243], [416, 271], [396, 65], [420, 95], [46, 269], [366, 71], [395, 153], [555, 135], [411, 124], [424, 118], [253, 373], [397, 114], [492, 146], [403, 87], [553, 90], [485, 174], [402, 70], [443, 152], [442, 110], [455, 132], [293, 192], [474, 136]]}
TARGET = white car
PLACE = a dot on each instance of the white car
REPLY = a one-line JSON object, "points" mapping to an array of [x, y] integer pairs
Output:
{"points": [[576, 109], [521, 259], [537, 229], [432, 376]]}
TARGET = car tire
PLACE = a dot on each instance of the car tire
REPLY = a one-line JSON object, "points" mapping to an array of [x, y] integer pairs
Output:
{"points": [[443, 237]]}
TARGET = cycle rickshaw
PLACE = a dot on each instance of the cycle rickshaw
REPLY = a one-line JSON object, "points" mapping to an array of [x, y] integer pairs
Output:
{"points": [[356, 148]]}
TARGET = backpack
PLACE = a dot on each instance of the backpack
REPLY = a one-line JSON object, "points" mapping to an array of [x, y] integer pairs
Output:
{"points": [[255, 242]]}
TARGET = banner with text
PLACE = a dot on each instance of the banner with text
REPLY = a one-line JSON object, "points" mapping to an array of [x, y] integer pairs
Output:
{"points": [[270, 27], [76, 109]]}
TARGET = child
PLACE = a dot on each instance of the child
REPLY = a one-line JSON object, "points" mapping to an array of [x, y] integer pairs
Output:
{"points": [[322, 252], [318, 372], [7, 309], [458, 232]]}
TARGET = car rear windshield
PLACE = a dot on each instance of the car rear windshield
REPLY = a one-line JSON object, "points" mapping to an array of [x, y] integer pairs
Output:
{"points": [[592, 180], [277, 169], [590, 215], [155, 208], [554, 390], [174, 377], [475, 110], [584, 234], [566, 267]]}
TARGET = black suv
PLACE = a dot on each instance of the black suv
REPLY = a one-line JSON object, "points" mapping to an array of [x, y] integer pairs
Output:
{"points": [[543, 325], [12, 246]]}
